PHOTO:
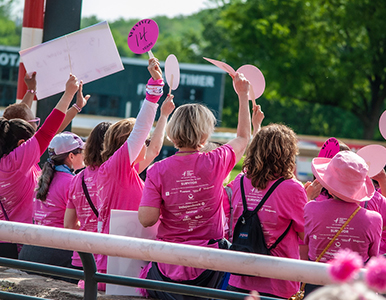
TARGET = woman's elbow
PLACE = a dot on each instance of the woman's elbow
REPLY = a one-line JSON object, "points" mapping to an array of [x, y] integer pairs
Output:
{"points": [[148, 216]]}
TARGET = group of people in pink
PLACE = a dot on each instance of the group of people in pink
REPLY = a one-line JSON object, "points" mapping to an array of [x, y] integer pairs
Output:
{"points": [[185, 192]]}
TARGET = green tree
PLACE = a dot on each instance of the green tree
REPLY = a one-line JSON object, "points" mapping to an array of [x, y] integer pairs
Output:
{"points": [[330, 52], [10, 34]]}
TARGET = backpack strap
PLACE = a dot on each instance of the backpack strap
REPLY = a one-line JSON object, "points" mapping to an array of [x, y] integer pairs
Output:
{"points": [[267, 194], [279, 239], [88, 197]]}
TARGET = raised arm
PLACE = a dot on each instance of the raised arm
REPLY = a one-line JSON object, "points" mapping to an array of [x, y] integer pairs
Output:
{"points": [[30, 81], [50, 126], [72, 86], [145, 117], [158, 136], [240, 143], [257, 119], [81, 102]]}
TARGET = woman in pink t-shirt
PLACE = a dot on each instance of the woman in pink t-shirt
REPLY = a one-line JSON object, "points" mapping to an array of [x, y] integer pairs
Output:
{"points": [[80, 213], [270, 156], [345, 178], [20, 151], [125, 154], [65, 156], [184, 191]]}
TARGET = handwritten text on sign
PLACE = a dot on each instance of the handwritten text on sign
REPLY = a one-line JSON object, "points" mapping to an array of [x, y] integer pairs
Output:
{"points": [[143, 36], [89, 54]]}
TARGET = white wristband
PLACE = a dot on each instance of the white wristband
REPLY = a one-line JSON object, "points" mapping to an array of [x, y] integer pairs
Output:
{"points": [[77, 107]]}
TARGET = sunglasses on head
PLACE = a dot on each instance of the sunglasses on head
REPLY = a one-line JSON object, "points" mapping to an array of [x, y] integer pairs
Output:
{"points": [[35, 121]]}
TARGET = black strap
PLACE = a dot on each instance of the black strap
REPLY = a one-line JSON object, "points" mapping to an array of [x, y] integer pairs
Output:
{"points": [[267, 194], [88, 197], [279, 239], [3, 209], [273, 187]]}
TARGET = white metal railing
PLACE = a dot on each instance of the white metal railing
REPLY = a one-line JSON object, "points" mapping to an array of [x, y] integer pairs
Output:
{"points": [[171, 253]]}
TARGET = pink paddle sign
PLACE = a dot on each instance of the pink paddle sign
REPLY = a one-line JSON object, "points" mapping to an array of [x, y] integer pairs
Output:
{"points": [[227, 68], [143, 36], [329, 148], [172, 72], [256, 79], [382, 124], [375, 157]]}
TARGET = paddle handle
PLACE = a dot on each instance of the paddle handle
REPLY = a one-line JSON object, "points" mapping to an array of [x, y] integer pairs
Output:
{"points": [[171, 84], [252, 94], [151, 55]]}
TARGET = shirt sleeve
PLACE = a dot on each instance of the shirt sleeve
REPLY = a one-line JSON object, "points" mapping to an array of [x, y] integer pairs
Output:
{"points": [[141, 129], [49, 128], [151, 195]]}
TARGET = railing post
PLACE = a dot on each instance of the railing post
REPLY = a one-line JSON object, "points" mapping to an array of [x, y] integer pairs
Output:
{"points": [[89, 270]]}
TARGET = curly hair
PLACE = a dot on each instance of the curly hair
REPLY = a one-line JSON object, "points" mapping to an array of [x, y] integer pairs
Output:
{"points": [[11, 132], [271, 155], [190, 126], [116, 136], [94, 145]]}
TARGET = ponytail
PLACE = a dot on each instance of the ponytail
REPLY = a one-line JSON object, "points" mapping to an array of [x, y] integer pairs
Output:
{"points": [[11, 132], [45, 181], [48, 173]]}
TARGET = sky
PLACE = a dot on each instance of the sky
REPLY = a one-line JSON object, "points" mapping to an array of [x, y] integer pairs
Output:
{"points": [[110, 10]]}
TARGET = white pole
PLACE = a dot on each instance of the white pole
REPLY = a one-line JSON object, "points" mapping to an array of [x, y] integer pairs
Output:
{"points": [[178, 254]]}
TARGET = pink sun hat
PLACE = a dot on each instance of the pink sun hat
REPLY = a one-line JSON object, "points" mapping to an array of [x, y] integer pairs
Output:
{"points": [[345, 176]]}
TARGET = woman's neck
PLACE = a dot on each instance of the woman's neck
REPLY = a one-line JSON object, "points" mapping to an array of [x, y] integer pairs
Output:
{"points": [[186, 151]]}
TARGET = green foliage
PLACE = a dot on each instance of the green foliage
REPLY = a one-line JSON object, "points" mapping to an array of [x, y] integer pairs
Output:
{"points": [[10, 34], [321, 52]]}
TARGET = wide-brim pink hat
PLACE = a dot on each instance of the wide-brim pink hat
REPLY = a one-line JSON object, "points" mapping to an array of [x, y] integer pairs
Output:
{"points": [[345, 176]]}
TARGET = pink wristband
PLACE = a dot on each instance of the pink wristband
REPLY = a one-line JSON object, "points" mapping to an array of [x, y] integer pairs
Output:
{"points": [[154, 90]]}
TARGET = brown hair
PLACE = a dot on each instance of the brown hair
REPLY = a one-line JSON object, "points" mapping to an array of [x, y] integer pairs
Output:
{"points": [[17, 111], [94, 145], [116, 136], [271, 155]]}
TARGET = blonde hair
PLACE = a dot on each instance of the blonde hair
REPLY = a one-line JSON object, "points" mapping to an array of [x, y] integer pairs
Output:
{"points": [[190, 126], [116, 136], [271, 155]]}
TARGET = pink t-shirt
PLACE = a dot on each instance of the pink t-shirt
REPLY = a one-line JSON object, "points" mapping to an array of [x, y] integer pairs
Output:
{"points": [[378, 204], [324, 218], [19, 173], [51, 211], [286, 203], [77, 200], [188, 190], [119, 186]]}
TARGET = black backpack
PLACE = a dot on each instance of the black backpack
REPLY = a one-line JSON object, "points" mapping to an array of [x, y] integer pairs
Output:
{"points": [[248, 235]]}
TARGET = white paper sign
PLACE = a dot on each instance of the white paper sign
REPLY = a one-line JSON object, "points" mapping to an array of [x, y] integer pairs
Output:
{"points": [[125, 222], [89, 54]]}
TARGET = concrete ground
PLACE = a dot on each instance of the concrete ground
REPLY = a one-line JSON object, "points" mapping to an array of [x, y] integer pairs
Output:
{"points": [[16, 281]]}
